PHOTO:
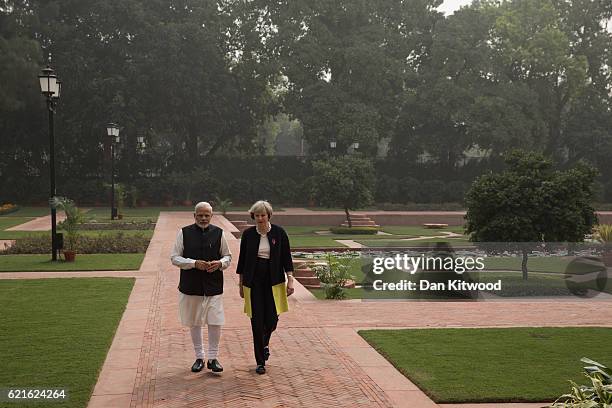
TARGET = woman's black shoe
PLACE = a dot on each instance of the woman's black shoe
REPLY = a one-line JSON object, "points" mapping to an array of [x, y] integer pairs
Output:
{"points": [[260, 369], [197, 366], [266, 353]]}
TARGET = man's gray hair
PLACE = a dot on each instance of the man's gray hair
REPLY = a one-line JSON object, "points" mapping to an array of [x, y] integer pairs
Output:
{"points": [[202, 204], [261, 206]]}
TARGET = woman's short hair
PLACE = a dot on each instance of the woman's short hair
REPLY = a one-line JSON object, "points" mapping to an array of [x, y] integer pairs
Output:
{"points": [[259, 207]]}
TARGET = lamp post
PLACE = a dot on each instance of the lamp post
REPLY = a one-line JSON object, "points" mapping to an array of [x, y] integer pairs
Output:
{"points": [[50, 87], [112, 130], [140, 143]]}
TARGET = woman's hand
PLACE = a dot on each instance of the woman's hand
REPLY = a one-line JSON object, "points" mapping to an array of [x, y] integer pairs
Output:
{"points": [[241, 291], [290, 288]]}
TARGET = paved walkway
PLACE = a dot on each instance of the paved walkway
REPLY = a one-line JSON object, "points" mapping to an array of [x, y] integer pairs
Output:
{"points": [[39, 223], [318, 359]]}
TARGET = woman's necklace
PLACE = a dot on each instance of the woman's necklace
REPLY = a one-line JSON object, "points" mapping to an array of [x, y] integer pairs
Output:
{"points": [[268, 227]]}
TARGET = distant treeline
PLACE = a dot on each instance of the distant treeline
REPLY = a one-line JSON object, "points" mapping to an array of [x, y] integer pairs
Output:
{"points": [[206, 79]]}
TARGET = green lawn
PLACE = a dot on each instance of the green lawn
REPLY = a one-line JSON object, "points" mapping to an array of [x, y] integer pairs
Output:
{"points": [[306, 241], [84, 262], [396, 243], [56, 333], [417, 230], [494, 365], [553, 264], [305, 237], [8, 222], [29, 212]]}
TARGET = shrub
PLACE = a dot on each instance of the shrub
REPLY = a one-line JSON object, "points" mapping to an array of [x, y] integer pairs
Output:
{"points": [[354, 230], [409, 190], [8, 208], [597, 395], [432, 191], [117, 243], [105, 226], [334, 275], [604, 233]]}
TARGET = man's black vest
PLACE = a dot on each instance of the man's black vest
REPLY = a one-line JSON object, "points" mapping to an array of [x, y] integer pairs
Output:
{"points": [[201, 244]]}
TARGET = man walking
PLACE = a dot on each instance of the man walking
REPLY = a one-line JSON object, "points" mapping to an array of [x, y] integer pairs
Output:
{"points": [[202, 253]]}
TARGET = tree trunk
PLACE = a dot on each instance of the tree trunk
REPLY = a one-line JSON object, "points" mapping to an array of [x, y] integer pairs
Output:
{"points": [[524, 264], [348, 217]]}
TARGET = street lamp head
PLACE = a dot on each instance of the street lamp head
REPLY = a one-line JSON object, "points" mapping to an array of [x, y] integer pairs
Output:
{"points": [[112, 130], [332, 144], [356, 145], [59, 89], [140, 143], [49, 84]]}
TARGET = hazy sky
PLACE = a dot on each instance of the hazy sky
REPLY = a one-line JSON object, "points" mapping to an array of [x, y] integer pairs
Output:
{"points": [[450, 6]]}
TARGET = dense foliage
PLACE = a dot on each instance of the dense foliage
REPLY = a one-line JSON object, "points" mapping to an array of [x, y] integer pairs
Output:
{"points": [[205, 80]]}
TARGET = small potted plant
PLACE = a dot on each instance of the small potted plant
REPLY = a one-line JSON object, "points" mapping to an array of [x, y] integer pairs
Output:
{"points": [[74, 217]]}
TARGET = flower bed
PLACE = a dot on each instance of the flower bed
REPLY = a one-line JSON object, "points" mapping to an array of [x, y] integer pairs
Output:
{"points": [[114, 226], [8, 208]]}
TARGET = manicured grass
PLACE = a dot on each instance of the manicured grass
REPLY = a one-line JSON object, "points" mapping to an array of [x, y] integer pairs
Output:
{"points": [[21, 234], [396, 243], [417, 230], [83, 262], [305, 241], [8, 222], [29, 212], [305, 237], [495, 365], [56, 333], [404, 231], [553, 264], [305, 230]]}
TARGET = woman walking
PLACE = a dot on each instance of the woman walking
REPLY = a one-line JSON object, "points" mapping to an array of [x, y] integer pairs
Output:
{"points": [[265, 259]]}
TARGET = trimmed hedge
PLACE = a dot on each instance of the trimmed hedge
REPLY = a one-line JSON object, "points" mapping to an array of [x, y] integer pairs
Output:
{"points": [[117, 243], [106, 226], [283, 180], [354, 230]]}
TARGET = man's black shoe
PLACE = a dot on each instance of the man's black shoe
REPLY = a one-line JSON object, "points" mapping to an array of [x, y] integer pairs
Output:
{"points": [[214, 365], [260, 369], [266, 353], [197, 366]]}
